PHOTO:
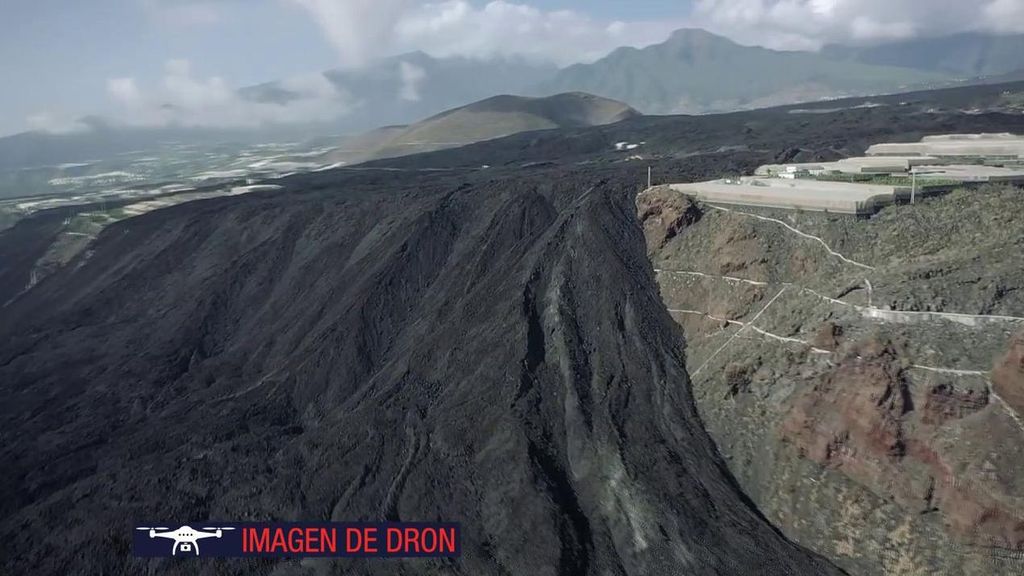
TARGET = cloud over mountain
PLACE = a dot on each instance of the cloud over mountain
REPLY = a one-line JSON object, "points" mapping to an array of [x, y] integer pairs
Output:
{"points": [[808, 24], [363, 33], [362, 29], [184, 99]]}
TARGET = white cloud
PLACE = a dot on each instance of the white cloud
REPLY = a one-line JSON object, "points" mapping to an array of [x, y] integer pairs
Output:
{"points": [[358, 29], [183, 13], [124, 91], [1005, 15], [183, 99], [54, 123], [362, 29], [412, 76], [807, 24]]}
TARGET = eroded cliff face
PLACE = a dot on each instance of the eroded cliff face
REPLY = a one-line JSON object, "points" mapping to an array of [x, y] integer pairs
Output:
{"points": [[845, 368], [860, 418], [1008, 374], [367, 346], [664, 215]]}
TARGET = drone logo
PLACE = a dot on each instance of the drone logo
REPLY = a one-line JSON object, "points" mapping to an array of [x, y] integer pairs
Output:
{"points": [[186, 539]]}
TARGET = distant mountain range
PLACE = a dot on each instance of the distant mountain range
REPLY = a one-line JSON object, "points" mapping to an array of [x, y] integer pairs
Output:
{"points": [[696, 72], [485, 120], [692, 72], [964, 55]]}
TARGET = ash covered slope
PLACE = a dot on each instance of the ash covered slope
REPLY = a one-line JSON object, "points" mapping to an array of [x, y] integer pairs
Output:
{"points": [[492, 352], [488, 119]]}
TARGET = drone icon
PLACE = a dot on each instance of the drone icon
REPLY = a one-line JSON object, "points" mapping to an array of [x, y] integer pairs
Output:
{"points": [[186, 539]]}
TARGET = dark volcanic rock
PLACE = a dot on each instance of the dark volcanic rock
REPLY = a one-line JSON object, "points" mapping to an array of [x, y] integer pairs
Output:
{"points": [[21, 246], [378, 347], [485, 346]]}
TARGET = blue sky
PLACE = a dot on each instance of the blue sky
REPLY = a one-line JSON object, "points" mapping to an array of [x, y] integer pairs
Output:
{"points": [[62, 59]]}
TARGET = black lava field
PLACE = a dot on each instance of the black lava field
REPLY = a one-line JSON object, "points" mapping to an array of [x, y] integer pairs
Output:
{"points": [[420, 339]]}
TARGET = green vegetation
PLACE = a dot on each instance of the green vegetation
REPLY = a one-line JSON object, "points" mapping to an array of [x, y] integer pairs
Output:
{"points": [[1014, 100], [92, 222], [883, 180], [936, 182], [89, 223]]}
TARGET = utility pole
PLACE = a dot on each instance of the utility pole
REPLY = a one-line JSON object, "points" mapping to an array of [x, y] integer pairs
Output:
{"points": [[648, 176]]}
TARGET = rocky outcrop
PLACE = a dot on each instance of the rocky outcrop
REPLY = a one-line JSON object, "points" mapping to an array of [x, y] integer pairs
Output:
{"points": [[945, 403], [886, 449], [664, 214], [852, 419], [828, 336], [861, 420], [737, 251], [980, 517], [1008, 375]]}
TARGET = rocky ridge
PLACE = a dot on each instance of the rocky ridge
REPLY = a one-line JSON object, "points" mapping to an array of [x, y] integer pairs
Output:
{"points": [[370, 346], [865, 348]]}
